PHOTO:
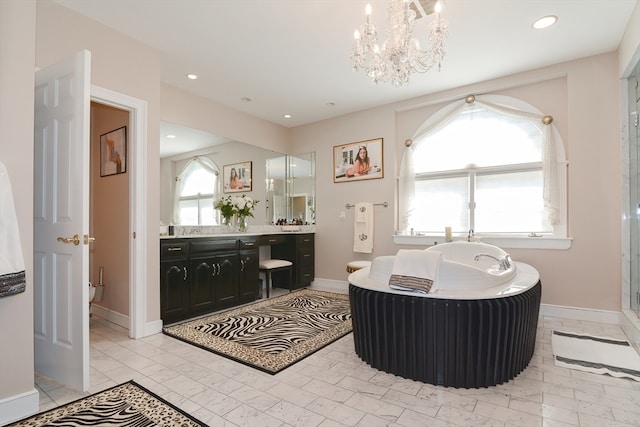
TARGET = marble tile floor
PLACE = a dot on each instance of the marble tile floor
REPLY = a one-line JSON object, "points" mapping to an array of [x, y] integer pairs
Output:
{"points": [[333, 387]]}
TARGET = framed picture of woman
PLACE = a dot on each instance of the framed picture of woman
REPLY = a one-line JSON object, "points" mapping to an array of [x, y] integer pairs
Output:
{"points": [[358, 161], [113, 152], [237, 177]]}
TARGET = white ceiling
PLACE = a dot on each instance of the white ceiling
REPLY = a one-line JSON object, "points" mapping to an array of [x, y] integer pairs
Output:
{"points": [[292, 56]]}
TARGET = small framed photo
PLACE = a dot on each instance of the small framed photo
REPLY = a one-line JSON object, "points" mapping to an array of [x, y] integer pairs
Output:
{"points": [[358, 161], [113, 152], [237, 177]]}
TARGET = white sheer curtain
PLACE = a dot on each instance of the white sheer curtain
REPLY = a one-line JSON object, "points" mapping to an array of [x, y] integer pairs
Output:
{"points": [[198, 161], [550, 169]]}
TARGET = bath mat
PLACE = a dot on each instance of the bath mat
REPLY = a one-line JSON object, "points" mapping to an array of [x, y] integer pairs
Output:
{"points": [[599, 355], [274, 334], [127, 404]]}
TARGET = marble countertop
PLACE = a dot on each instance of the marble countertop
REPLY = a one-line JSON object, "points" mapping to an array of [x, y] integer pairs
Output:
{"points": [[189, 232]]}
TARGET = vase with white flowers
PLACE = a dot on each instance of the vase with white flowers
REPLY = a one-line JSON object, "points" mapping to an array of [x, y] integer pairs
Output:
{"points": [[244, 207], [236, 209], [227, 209]]}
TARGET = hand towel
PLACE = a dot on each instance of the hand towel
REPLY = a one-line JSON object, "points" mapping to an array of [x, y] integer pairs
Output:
{"points": [[12, 273], [363, 230], [415, 270], [362, 212]]}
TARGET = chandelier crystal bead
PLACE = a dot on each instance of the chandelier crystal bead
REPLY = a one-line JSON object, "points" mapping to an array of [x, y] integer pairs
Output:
{"points": [[400, 54]]}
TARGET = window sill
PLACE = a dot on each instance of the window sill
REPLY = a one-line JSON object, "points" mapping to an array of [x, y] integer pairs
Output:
{"points": [[515, 242]]}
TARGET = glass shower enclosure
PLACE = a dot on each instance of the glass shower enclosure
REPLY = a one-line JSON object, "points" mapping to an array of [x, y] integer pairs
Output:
{"points": [[634, 187]]}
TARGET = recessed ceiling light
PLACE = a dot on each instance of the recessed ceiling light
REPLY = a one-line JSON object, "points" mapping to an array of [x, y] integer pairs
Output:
{"points": [[192, 76], [170, 136], [287, 116], [545, 22]]}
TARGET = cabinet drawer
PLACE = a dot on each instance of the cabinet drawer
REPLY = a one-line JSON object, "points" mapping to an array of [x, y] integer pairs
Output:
{"points": [[272, 239], [199, 246], [248, 243], [305, 240], [174, 249]]}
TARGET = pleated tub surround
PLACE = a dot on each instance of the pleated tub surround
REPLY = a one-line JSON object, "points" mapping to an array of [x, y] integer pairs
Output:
{"points": [[363, 228], [12, 273]]}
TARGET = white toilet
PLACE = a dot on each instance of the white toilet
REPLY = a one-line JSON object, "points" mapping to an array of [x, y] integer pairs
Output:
{"points": [[92, 292]]}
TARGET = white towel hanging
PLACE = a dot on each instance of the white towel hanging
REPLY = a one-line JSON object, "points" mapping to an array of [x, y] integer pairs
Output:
{"points": [[363, 230], [12, 273]]}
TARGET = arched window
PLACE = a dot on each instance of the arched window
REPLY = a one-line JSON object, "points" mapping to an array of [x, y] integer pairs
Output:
{"points": [[196, 189], [490, 167]]}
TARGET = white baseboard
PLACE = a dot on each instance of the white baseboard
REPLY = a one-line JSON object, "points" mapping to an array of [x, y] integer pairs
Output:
{"points": [[578, 313], [330, 285], [110, 315], [14, 408], [150, 328]]}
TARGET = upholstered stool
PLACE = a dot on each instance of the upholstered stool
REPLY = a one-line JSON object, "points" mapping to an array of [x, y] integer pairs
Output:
{"points": [[357, 265], [269, 266]]}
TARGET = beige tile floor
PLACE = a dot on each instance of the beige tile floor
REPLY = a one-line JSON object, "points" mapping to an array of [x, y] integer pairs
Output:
{"points": [[333, 387]]}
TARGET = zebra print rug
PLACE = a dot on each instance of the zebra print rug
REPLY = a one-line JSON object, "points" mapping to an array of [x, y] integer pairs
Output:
{"points": [[127, 404], [273, 334]]}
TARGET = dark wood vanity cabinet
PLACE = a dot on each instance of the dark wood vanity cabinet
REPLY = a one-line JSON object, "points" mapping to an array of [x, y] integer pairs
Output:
{"points": [[300, 250], [248, 277], [174, 285], [202, 275]]}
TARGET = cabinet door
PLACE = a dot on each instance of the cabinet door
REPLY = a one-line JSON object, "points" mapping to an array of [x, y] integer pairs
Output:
{"points": [[248, 278], [174, 290], [202, 287], [225, 279]]}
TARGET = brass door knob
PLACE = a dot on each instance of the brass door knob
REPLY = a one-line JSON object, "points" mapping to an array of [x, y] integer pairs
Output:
{"points": [[75, 239]]}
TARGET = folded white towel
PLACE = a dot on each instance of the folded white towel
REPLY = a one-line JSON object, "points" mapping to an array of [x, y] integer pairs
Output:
{"points": [[415, 270], [362, 211], [363, 230], [12, 270]]}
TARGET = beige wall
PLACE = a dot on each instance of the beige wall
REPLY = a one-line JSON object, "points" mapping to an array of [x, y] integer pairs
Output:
{"points": [[583, 97], [109, 215], [17, 47], [199, 113]]}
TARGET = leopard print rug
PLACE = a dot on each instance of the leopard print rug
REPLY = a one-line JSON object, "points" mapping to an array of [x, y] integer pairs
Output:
{"points": [[273, 334], [127, 404]]}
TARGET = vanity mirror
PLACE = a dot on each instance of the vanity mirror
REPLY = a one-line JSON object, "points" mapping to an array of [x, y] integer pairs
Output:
{"points": [[179, 152], [289, 192], [290, 186]]}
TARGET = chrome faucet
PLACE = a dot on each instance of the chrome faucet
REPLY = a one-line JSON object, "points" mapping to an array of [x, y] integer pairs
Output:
{"points": [[505, 263]]}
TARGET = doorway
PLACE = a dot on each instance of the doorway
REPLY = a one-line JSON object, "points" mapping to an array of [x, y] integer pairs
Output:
{"points": [[137, 152], [109, 259], [61, 208]]}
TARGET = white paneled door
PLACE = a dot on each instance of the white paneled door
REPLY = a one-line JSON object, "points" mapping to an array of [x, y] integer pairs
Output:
{"points": [[61, 221]]}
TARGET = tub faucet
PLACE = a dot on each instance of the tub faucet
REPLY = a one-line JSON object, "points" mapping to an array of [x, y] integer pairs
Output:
{"points": [[505, 263]]}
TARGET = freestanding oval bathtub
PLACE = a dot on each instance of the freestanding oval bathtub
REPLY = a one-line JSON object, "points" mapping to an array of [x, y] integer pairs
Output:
{"points": [[477, 330]]}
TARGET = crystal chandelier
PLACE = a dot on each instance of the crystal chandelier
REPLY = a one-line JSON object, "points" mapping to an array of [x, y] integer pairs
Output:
{"points": [[400, 54]]}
